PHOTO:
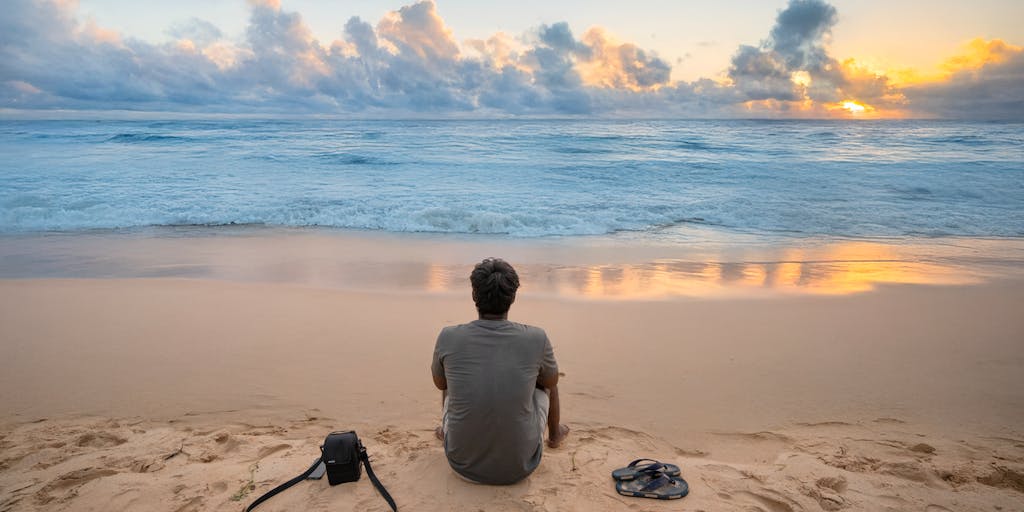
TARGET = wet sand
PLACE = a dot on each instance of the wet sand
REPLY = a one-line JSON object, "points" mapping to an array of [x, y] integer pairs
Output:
{"points": [[698, 262]]}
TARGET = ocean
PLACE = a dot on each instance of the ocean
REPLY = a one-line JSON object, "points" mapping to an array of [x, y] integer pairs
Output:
{"points": [[519, 178]]}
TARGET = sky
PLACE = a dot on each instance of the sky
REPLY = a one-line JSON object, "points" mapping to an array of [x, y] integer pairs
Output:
{"points": [[465, 58]]}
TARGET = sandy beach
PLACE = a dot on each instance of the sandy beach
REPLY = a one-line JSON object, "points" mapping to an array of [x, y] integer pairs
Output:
{"points": [[779, 244], [200, 394]]}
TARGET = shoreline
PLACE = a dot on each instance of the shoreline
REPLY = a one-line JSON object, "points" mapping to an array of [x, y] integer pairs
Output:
{"points": [[699, 263]]}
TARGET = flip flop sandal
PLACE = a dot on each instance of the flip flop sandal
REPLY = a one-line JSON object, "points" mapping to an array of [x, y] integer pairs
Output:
{"points": [[659, 487], [635, 469]]}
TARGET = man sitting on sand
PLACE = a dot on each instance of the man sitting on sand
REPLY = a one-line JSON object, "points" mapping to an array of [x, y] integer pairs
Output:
{"points": [[500, 386]]}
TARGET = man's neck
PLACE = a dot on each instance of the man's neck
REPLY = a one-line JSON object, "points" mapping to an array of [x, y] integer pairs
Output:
{"points": [[490, 316]]}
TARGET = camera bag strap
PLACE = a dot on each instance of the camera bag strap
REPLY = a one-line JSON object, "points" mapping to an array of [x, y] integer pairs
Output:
{"points": [[273, 492], [369, 471], [373, 478]]}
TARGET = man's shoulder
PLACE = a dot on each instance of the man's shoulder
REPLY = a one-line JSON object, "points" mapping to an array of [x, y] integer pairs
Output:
{"points": [[533, 335], [530, 330], [451, 332], [451, 329]]}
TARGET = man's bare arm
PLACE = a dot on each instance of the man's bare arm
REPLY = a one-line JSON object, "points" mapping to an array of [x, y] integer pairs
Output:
{"points": [[548, 382], [556, 431], [441, 382]]}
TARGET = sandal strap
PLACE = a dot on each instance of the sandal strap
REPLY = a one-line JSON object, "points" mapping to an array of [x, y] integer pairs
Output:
{"points": [[635, 462], [656, 483]]}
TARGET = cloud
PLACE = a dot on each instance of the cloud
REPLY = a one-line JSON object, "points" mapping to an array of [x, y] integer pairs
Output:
{"points": [[795, 45], [80, 65], [762, 74], [418, 32], [410, 63], [800, 31], [620, 65], [984, 83], [200, 32], [792, 70], [980, 53]]}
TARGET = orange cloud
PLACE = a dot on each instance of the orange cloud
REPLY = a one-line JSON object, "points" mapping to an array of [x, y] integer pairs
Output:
{"points": [[619, 65], [419, 29], [867, 93], [499, 50], [224, 55], [980, 52], [273, 4], [976, 54], [100, 34], [885, 93], [849, 90], [984, 82]]}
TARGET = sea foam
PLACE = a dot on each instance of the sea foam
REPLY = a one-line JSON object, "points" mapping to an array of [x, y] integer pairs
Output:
{"points": [[518, 178]]}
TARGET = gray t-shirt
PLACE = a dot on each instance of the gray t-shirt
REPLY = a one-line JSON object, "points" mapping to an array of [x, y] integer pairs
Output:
{"points": [[491, 366]]}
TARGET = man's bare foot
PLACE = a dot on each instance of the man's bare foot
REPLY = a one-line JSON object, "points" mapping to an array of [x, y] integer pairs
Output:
{"points": [[555, 440], [439, 434]]}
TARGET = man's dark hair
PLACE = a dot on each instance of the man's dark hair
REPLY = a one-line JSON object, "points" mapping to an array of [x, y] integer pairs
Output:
{"points": [[494, 286]]}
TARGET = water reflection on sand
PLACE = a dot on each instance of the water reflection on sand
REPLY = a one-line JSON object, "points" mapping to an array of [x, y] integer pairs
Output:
{"points": [[608, 268], [681, 278]]}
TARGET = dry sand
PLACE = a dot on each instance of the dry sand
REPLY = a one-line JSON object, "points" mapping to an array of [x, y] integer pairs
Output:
{"points": [[179, 395]]}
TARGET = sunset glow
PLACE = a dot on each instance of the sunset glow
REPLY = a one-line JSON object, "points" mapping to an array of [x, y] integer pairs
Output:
{"points": [[413, 60], [853, 107]]}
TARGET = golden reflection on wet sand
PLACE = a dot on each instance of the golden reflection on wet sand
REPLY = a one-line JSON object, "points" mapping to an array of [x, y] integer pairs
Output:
{"points": [[839, 269], [606, 269], [438, 278]]}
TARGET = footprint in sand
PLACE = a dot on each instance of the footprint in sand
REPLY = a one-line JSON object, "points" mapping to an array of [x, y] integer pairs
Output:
{"points": [[192, 505], [270, 450], [694, 453], [828, 492], [403, 443], [66, 485], [216, 446], [771, 500], [924, 448], [1004, 477], [99, 440], [146, 466], [835, 483], [907, 470]]}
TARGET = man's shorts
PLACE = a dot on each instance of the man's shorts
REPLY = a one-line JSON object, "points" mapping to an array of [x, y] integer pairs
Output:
{"points": [[541, 403]]}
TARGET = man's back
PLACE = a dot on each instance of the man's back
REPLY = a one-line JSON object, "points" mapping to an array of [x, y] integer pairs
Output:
{"points": [[495, 415]]}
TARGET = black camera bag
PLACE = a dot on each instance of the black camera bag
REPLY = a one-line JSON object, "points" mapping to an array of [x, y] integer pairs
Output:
{"points": [[343, 455]]}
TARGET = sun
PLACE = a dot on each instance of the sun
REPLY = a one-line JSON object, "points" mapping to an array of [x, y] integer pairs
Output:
{"points": [[853, 107]]}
